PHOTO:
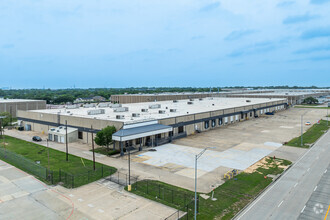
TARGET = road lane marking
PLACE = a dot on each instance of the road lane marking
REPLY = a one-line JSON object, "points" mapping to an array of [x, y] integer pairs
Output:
{"points": [[100, 210], [326, 215], [303, 209], [308, 169], [90, 205], [295, 185], [325, 170], [280, 204], [315, 188], [286, 173]]}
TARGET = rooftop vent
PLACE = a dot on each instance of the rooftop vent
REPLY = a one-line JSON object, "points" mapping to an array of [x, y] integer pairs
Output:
{"points": [[89, 105], [115, 105], [103, 105], [135, 114], [175, 101], [52, 129], [161, 111], [144, 110], [191, 99], [172, 110], [120, 116], [96, 111], [121, 109], [72, 106], [190, 103], [200, 99], [154, 106], [248, 100]]}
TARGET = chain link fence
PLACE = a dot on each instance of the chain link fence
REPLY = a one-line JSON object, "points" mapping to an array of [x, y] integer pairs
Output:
{"points": [[67, 179]]}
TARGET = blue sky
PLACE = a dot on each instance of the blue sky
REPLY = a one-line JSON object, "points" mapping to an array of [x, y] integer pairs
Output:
{"points": [[199, 43]]}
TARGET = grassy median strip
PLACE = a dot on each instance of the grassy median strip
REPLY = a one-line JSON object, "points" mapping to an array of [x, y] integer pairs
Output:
{"points": [[33, 158], [310, 136], [231, 196], [306, 106]]}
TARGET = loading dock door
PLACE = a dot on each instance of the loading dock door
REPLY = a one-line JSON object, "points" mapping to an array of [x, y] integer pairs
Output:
{"points": [[62, 139]]}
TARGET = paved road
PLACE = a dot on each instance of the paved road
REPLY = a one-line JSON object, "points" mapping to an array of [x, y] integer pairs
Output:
{"points": [[318, 203], [287, 197]]}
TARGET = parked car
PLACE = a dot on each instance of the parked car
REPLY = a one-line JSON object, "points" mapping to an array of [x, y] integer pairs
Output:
{"points": [[36, 138], [308, 123]]}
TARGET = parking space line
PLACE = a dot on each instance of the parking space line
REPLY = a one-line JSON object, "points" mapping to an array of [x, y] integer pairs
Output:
{"points": [[280, 204], [295, 185], [303, 209], [315, 188]]}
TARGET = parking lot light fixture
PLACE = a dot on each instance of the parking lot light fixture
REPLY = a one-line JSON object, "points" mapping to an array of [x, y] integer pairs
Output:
{"points": [[197, 156]]}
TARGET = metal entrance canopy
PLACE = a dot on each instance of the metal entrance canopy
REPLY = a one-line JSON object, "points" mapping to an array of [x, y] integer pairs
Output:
{"points": [[144, 130]]}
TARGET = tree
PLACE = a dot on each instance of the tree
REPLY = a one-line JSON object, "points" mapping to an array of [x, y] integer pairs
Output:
{"points": [[310, 100], [104, 137]]}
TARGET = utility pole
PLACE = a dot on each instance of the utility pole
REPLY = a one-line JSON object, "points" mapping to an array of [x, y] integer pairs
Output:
{"points": [[66, 140], [93, 148]]}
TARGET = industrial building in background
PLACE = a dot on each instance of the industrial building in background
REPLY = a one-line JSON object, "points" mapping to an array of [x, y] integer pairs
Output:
{"points": [[293, 96], [13, 105]]}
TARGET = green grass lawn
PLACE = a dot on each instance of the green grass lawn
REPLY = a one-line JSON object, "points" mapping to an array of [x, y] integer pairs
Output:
{"points": [[310, 136], [105, 151], [81, 169], [231, 196], [308, 106]]}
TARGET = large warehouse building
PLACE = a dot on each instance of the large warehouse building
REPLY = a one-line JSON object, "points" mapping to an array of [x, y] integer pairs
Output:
{"points": [[136, 98], [13, 105], [294, 97], [151, 123]]}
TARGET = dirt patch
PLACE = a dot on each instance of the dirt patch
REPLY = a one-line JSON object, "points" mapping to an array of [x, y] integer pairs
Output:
{"points": [[256, 165], [265, 165]]}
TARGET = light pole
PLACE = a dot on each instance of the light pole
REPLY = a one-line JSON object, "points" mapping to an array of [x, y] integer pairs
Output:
{"points": [[93, 148], [197, 156], [66, 140], [327, 117], [48, 152], [301, 144]]}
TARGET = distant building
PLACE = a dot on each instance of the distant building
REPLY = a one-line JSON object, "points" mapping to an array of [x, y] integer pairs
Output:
{"points": [[98, 99], [13, 105], [90, 99]]}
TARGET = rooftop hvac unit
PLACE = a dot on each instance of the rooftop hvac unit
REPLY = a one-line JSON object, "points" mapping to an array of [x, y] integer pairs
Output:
{"points": [[135, 114], [144, 110], [200, 99], [115, 105], [120, 116], [103, 105], [95, 111], [190, 103], [72, 106], [161, 111], [191, 99], [154, 106], [89, 105], [175, 101], [248, 100], [120, 109], [172, 110]]}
